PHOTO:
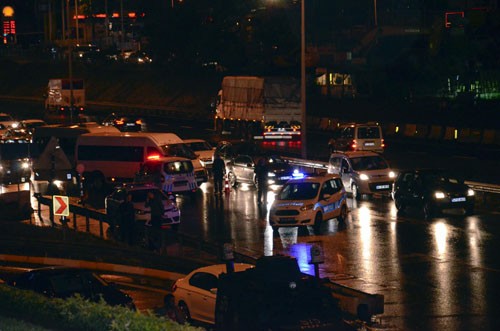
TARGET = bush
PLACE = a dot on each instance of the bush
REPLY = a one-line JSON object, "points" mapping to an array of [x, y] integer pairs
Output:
{"points": [[78, 314]]}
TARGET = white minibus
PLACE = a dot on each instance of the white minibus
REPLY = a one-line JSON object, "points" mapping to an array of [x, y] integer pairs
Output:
{"points": [[117, 157]]}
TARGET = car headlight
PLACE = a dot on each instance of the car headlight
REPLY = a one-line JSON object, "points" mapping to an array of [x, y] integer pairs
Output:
{"points": [[25, 165], [364, 177], [306, 207], [392, 174], [439, 195], [470, 192], [271, 174]]}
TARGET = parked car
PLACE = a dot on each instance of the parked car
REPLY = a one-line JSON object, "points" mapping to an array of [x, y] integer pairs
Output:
{"points": [[432, 190], [241, 169], [64, 282], [309, 201], [124, 123], [203, 149], [8, 121], [195, 294], [357, 137], [31, 124], [363, 173], [172, 214]]}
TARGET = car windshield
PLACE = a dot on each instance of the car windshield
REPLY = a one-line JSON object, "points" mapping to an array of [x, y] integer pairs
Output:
{"points": [[178, 167], [181, 150], [369, 163], [299, 191], [436, 178], [276, 160], [200, 146], [368, 132]]}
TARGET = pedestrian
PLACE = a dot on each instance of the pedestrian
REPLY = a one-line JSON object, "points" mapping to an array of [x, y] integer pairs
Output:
{"points": [[155, 236], [219, 171], [127, 220], [261, 173]]}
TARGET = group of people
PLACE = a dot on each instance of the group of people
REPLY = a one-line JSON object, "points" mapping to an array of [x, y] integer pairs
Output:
{"points": [[127, 225], [261, 174]]}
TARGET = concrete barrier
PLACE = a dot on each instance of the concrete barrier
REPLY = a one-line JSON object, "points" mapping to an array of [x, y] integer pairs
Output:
{"points": [[469, 135], [324, 123], [409, 130], [450, 133], [421, 132], [435, 132], [390, 129]]}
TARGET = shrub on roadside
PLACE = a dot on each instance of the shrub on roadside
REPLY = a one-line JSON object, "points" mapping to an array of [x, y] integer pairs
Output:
{"points": [[78, 314]]}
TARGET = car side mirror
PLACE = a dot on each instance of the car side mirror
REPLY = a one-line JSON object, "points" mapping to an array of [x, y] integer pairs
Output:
{"points": [[249, 165]]}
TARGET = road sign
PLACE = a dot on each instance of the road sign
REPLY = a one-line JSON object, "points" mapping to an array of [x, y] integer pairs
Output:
{"points": [[60, 205]]}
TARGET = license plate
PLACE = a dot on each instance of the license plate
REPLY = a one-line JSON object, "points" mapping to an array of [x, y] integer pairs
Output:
{"points": [[382, 187], [369, 144], [285, 178], [287, 220], [461, 199], [130, 124]]}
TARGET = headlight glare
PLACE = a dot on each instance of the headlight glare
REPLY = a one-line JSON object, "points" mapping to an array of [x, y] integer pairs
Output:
{"points": [[364, 177], [439, 195], [470, 192], [392, 174], [306, 207]]}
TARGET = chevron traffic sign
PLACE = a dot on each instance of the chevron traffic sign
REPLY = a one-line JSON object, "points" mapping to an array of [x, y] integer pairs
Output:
{"points": [[60, 205]]}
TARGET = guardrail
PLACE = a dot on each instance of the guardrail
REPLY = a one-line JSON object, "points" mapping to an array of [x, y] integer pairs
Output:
{"points": [[320, 166]]}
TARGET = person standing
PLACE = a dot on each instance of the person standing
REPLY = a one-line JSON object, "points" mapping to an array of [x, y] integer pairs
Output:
{"points": [[155, 237], [127, 220], [219, 171], [261, 173]]}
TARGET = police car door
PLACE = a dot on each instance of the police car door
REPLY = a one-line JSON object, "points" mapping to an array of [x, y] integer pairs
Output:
{"points": [[329, 198]]}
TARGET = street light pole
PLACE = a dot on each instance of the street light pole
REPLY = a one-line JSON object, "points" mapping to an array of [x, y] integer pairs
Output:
{"points": [[303, 126]]}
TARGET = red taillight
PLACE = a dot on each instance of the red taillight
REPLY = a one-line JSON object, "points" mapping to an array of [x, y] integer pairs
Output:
{"points": [[119, 122], [61, 109], [383, 143], [354, 145], [138, 122], [154, 157]]}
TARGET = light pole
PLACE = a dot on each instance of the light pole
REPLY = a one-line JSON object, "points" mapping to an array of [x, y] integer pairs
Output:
{"points": [[303, 129]]}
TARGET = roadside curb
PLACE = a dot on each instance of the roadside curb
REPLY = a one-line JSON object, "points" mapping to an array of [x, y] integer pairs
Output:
{"points": [[99, 266]]}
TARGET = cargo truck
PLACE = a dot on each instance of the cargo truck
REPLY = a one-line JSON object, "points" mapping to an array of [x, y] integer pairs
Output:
{"points": [[266, 108], [58, 96]]}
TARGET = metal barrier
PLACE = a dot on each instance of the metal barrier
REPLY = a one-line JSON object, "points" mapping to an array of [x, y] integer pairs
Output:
{"points": [[320, 166]]}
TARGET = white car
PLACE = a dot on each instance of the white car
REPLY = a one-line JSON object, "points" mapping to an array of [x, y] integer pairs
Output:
{"points": [[171, 216], [195, 294], [31, 124], [309, 201], [362, 172], [203, 149]]}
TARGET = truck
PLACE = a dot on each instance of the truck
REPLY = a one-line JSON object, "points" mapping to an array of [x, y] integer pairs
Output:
{"points": [[260, 108], [58, 96]]}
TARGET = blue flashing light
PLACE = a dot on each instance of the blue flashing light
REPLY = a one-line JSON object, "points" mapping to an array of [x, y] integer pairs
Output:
{"points": [[297, 174]]}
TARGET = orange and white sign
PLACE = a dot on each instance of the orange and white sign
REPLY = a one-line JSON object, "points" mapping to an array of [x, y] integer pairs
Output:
{"points": [[60, 205]]}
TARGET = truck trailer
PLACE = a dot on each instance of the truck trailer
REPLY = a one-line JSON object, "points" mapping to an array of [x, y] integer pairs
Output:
{"points": [[58, 97], [262, 108]]}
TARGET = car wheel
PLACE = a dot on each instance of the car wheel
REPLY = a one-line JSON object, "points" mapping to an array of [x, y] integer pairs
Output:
{"points": [[355, 192], [343, 214], [317, 222], [429, 210], [185, 310], [232, 179]]}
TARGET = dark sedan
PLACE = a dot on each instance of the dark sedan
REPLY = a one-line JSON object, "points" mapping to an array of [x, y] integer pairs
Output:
{"points": [[123, 123], [241, 169], [432, 190], [65, 282]]}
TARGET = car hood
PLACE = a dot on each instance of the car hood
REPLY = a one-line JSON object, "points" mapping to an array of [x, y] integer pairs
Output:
{"points": [[449, 187]]}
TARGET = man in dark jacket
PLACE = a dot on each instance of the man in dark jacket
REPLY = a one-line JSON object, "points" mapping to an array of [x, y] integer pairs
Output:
{"points": [[219, 171], [127, 220], [261, 173]]}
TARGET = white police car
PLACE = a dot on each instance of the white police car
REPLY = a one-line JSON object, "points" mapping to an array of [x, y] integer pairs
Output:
{"points": [[309, 200]]}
